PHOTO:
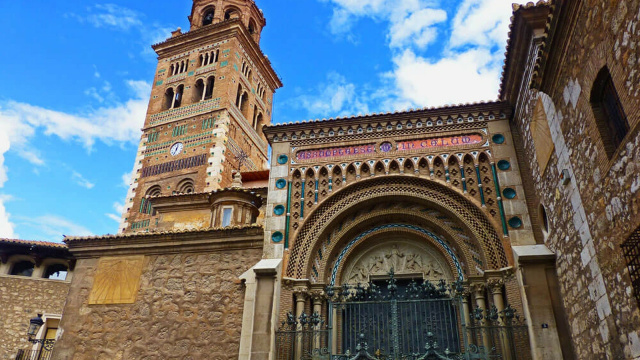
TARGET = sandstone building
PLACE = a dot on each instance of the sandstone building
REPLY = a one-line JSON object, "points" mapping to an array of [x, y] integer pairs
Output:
{"points": [[506, 229]]}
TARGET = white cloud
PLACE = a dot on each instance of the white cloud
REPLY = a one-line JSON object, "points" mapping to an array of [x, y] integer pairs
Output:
{"points": [[416, 28], [410, 21], [19, 123], [113, 217], [334, 97], [481, 22], [111, 15], [119, 208], [6, 227], [127, 179], [466, 68], [80, 180], [93, 92], [459, 78], [54, 227]]}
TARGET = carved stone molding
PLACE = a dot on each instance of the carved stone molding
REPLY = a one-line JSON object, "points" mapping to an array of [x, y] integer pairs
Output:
{"points": [[404, 257]]}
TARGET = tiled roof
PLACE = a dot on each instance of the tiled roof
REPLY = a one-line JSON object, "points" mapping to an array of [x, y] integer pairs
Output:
{"points": [[32, 243], [409, 111], [230, 189], [70, 239], [517, 8]]}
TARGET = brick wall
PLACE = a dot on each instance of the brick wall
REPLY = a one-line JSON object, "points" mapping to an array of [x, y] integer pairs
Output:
{"points": [[592, 215], [188, 306], [22, 299]]}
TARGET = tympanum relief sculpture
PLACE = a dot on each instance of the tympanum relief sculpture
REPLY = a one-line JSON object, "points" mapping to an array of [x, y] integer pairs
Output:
{"points": [[405, 257]]}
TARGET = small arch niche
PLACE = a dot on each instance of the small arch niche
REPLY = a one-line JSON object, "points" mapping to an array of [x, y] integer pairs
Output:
{"points": [[186, 186], [56, 272], [22, 268]]}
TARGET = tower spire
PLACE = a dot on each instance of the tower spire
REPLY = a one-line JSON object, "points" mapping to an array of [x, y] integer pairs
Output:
{"points": [[211, 96]]}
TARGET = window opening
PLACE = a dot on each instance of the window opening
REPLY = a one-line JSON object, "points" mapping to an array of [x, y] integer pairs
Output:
{"points": [[208, 18], [226, 217], [23, 268], [56, 272], [610, 116]]}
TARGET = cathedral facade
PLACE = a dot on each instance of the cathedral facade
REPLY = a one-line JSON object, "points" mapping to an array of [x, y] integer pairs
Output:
{"points": [[496, 230]]}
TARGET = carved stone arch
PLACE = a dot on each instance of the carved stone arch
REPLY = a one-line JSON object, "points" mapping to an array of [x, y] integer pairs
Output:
{"points": [[365, 170], [319, 222], [424, 167], [454, 243], [438, 166], [409, 166], [394, 167], [379, 168], [372, 255]]}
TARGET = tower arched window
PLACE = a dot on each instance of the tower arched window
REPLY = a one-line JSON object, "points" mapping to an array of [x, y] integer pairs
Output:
{"points": [[211, 81], [610, 117], [259, 123], [252, 27], [145, 205], [168, 99], [207, 19], [177, 100], [198, 93], [239, 96], [244, 105], [231, 14]]}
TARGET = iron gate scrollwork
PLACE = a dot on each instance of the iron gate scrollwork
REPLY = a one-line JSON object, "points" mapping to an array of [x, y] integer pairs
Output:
{"points": [[402, 319]]}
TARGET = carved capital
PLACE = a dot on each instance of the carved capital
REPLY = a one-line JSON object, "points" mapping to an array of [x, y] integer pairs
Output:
{"points": [[301, 292], [495, 285], [317, 295], [477, 289]]}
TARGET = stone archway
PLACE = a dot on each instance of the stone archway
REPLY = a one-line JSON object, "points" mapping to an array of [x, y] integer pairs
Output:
{"points": [[480, 238]]}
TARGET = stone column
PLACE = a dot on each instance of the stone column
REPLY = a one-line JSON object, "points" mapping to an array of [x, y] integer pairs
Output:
{"points": [[300, 294], [495, 287], [481, 303], [317, 298], [466, 311], [204, 90]]}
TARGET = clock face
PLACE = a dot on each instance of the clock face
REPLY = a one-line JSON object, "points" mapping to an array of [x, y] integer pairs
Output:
{"points": [[176, 148]]}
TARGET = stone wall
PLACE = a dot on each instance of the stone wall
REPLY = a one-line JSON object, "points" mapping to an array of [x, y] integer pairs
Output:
{"points": [[189, 306], [22, 299], [598, 209]]}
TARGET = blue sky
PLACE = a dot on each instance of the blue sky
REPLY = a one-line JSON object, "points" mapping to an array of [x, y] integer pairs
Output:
{"points": [[76, 79]]}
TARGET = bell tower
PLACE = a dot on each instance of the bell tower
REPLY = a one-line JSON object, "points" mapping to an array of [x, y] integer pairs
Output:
{"points": [[212, 94]]}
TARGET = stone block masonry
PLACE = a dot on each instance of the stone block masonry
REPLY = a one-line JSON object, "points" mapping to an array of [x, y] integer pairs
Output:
{"points": [[22, 299], [189, 306]]}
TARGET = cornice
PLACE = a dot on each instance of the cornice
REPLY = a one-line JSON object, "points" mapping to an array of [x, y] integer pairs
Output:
{"points": [[193, 241], [435, 119]]}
